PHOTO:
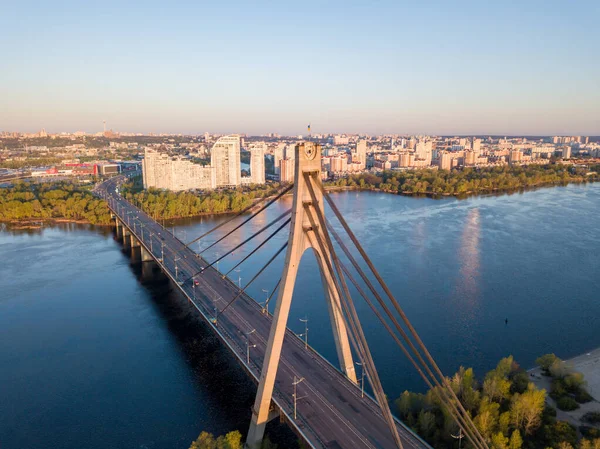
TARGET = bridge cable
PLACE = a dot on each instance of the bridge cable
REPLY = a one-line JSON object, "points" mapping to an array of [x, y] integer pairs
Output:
{"points": [[439, 391], [279, 195], [356, 333], [285, 223], [264, 228], [253, 279], [467, 418], [399, 310]]}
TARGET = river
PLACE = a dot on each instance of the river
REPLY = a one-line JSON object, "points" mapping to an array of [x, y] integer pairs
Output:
{"points": [[94, 351]]}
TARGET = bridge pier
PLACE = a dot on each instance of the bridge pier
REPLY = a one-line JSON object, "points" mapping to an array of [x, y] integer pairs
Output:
{"points": [[134, 241], [125, 236], [119, 228], [146, 256], [304, 234]]}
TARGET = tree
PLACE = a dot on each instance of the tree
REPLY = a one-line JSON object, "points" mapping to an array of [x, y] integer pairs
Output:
{"points": [[204, 441], [499, 441], [487, 418], [496, 388], [559, 368], [526, 409], [545, 361], [409, 403], [232, 440], [515, 440], [426, 423]]}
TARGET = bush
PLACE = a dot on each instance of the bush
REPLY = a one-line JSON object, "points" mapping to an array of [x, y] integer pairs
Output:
{"points": [[567, 404], [591, 417], [549, 414], [583, 396], [557, 389], [589, 432]]}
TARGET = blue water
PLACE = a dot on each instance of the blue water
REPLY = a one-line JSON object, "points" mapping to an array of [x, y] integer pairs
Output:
{"points": [[96, 353], [459, 269]]}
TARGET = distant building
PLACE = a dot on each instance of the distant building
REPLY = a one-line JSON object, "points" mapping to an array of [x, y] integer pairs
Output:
{"points": [[225, 158], [277, 157], [406, 160], [476, 147], [257, 165], [423, 151], [341, 140], [566, 153], [470, 158], [361, 153], [286, 170], [515, 156], [339, 164], [162, 171], [445, 160]]}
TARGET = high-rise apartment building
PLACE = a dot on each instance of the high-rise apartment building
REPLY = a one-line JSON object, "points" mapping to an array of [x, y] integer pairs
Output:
{"points": [[290, 152], [286, 170], [361, 153], [161, 171], [257, 165], [423, 150], [225, 158], [339, 164], [445, 160], [277, 157], [476, 146], [515, 156]]}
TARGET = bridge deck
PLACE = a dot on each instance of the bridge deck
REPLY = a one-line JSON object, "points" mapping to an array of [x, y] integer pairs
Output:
{"points": [[333, 414]]}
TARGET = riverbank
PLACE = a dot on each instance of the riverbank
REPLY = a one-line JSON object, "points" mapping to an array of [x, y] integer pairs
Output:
{"points": [[587, 364], [463, 195], [37, 223], [469, 181]]}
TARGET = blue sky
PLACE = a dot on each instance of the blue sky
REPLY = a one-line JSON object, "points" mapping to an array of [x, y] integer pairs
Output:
{"points": [[522, 67]]}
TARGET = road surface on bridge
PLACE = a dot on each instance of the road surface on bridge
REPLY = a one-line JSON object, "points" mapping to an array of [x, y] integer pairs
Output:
{"points": [[331, 413]]}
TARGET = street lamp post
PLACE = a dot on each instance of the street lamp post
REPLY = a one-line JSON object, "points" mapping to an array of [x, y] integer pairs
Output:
{"points": [[248, 346], [175, 261], [296, 382], [305, 334], [362, 379], [238, 270], [458, 437], [266, 307]]}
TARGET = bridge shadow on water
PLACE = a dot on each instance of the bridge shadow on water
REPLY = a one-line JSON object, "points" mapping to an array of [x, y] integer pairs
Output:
{"points": [[226, 390]]}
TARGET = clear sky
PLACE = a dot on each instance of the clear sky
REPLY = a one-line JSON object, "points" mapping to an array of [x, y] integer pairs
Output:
{"points": [[480, 67]]}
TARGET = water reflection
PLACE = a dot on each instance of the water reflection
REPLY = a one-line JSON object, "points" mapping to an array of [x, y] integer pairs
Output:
{"points": [[468, 256], [466, 297]]}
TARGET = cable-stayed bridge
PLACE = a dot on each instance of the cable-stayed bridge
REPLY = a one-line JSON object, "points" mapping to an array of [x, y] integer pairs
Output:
{"points": [[323, 404]]}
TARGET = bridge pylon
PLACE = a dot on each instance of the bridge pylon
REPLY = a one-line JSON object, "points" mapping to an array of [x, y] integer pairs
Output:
{"points": [[303, 236]]}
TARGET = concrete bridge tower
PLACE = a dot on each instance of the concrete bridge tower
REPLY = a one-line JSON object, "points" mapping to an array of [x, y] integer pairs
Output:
{"points": [[303, 236]]}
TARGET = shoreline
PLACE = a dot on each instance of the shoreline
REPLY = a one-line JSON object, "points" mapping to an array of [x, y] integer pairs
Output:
{"points": [[459, 196], [24, 223], [587, 364], [38, 223]]}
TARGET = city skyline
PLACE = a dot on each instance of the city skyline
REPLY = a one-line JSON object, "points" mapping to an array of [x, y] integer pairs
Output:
{"points": [[436, 69]]}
